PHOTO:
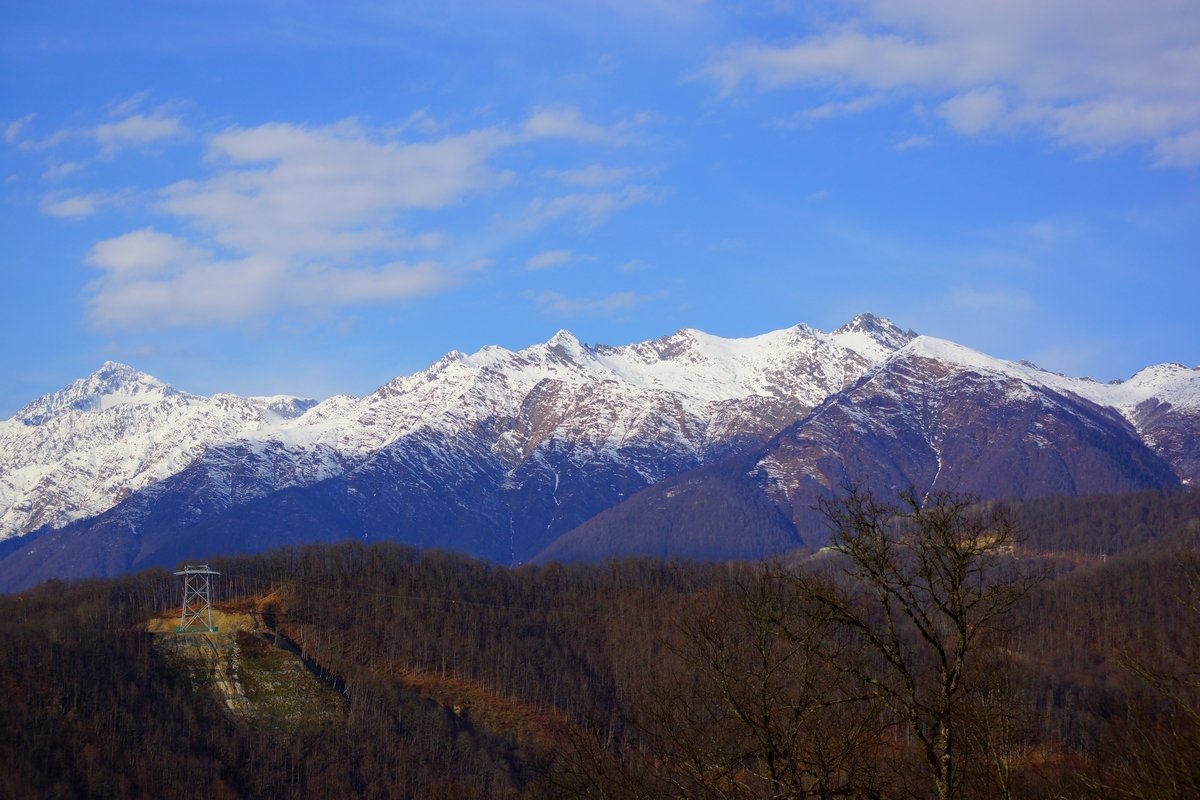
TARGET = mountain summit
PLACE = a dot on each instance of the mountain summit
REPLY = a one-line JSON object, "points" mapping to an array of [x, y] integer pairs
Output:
{"points": [[500, 453], [882, 331], [111, 385]]}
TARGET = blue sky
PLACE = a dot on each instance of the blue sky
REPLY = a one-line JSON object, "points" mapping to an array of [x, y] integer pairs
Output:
{"points": [[312, 198]]}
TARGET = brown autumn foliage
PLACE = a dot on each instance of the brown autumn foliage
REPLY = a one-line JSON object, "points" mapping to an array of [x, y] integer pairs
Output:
{"points": [[635, 678]]}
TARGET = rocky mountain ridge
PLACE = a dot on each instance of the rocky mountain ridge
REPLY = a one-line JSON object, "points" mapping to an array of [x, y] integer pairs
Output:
{"points": [[932, 416], [502, 452], [681, 399]]}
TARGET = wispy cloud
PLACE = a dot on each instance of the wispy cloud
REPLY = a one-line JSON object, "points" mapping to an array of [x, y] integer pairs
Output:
{"points": [[588, 208], [1031, 236], [143, 251], [288, 190], [846, 108], [912, 143], [128, 128], [559, 305], [1094, 76], [12, 130], [975, 111], [567, 123], [137, 130], [74, 206], [153, 279], [549, 258], [317, 217], [593, 175], [61, 169]]}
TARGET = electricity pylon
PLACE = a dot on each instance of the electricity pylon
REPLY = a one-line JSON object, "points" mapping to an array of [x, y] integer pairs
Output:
{"points": [[197, 601]]}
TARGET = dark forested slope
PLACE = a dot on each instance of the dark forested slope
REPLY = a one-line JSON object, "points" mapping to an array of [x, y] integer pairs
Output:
{"points": [[461, 679]]}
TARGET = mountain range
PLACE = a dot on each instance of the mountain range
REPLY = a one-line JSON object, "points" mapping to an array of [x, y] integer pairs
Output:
{"points": [[690, 444]]}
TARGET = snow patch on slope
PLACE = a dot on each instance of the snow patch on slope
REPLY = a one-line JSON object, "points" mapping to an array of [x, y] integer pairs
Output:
{"points": [[1168, 383]]}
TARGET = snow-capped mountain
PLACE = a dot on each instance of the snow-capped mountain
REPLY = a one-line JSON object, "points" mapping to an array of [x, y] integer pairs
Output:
{"points": [[549, 434], [502, 452], [80, 451], [937, 416], [933, 415]]}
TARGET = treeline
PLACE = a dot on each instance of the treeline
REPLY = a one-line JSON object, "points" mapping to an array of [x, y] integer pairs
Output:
{"points": [[1102, 525], [639, 677]]}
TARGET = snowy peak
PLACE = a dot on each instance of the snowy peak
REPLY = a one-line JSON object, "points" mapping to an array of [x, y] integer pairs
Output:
{"points": [[869, 329], [536, 415], [948, 352], [798, 364], [1174, 384], [511, 448], [112, 385], [1167, 383], [278, 408], [565, 347], [564, 338]]}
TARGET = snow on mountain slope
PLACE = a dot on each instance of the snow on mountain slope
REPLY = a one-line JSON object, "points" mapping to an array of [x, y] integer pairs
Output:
{"points": [[652, 408], [672, 389], [799, 363], [1161, 402], [76, 452], [931, 415], [549, 434], [937, 415]]}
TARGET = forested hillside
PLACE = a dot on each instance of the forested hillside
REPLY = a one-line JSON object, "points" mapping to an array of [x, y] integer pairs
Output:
{"points": [[448, 677]]}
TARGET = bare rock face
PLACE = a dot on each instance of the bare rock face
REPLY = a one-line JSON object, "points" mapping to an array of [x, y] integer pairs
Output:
{"points": [[500, 453]]}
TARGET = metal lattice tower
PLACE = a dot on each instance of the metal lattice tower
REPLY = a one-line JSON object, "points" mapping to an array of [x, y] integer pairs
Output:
{"points": [[196, 615]]}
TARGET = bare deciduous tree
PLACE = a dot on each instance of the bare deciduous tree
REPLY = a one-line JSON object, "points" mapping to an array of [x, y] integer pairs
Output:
{"points": [[925, 582], [1159, 753], [753, 709]]}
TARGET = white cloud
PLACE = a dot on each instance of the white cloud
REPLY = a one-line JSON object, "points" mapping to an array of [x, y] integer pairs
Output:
{"points": [[286, 189], [127, 106], [568, 123], [133, 130], [45, 143], [593, 175], [974, 111], [559, 305], [12, 130], [550, 258], [298, 217], [59, 170], [589, 208], [912, 143], [841, 109], [74, 206], [339, 287], [1179, 151], [136, 131], [142, 251], [1091, 75], [152, 279], [277, 225]]}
